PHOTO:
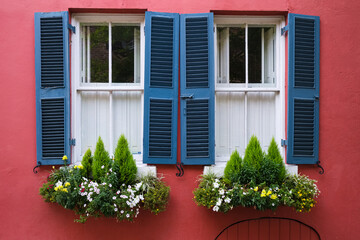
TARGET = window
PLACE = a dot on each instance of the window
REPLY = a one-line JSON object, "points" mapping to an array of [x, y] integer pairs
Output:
{"points": [[126, 82], [249, 86], [107, 81]]}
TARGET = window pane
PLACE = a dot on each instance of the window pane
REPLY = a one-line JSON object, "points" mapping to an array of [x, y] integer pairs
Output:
{"points": [[237, 54], [269, 55], [99, 54], [254, 57], [125, 51]]}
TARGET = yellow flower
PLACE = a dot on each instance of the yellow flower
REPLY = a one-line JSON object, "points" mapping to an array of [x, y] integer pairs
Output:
{"points": [[256, 189], [263, 193], [64, 158], [64, 190], [269, 192], [67, 184], [273, 196], [53, 167], [311, 205], [300, 194]]}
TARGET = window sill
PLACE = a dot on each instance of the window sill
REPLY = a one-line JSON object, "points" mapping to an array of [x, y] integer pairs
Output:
{"points": [[218, 169]]}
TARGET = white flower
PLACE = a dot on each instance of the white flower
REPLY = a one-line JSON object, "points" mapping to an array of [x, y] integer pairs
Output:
{"points": [[102, 167], [244, 193], [115, 209], [221, 192], [58, 184], [137, 186], [216, 185], [123, 196], [110, 170], [122, 211], [118, 192], [114, 205], [215, 208], [227, 200], [104, 183], [141, 197], [85, 205], [127, 215], [219, 201], [114, 197], [110, 185], [273, 204]]}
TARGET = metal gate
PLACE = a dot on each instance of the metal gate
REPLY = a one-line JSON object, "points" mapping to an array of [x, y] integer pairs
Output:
{"points": [[269, 228]]}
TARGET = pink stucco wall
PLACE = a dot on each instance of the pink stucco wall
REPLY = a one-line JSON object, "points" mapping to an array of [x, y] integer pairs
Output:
{"points": [[24, 215]]}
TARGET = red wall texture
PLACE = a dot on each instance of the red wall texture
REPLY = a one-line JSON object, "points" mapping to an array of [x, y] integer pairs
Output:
{"points": [[24, 215]]}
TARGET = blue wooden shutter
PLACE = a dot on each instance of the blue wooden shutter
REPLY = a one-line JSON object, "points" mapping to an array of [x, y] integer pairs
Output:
{"points": [[52, 87], [161, 87], [197, 88], [303, 97]]}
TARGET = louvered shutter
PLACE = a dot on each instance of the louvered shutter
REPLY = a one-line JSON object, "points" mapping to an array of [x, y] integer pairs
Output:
{"points": [[161, 87], [197, 88], [52, 87], [303, 97]]}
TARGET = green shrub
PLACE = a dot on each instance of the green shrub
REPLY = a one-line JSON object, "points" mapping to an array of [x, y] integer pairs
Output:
{"points": [[274, 156], [87, 164], [101, 161], [124, 162], [253, 159], [233, 168]]}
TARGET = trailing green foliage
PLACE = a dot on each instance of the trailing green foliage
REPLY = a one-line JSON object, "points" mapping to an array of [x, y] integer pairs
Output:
{"points": [[101, 162], [87, 164], [232, 172], [124, 162], [259, 181], [157, 194]]}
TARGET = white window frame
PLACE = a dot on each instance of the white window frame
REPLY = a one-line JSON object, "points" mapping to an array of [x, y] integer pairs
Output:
{"points": [[279, 88], [76, 88]]}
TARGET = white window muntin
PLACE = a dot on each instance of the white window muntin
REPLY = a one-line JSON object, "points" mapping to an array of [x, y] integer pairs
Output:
{"points": [[225, 87], [81, 20]]}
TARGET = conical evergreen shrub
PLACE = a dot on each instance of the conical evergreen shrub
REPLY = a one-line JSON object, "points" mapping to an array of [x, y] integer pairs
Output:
{"points": [[275, 156], [87, 164], [101, 161], [124, 162], [252, 162], [233, 168]]}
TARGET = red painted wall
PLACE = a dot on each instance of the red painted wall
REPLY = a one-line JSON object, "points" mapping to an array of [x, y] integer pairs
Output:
{"points": [[24, 215]]}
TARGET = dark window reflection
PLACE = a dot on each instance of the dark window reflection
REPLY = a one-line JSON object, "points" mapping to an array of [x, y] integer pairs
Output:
{"points": [[237, 54], [123, 53], [99, 54], [254, 57]]}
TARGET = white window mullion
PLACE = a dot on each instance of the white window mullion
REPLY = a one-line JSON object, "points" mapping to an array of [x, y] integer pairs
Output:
{"points": [[88, 55], [262, 56], [110, 94], [246, 85]]}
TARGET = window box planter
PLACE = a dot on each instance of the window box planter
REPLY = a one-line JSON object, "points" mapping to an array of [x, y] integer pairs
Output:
{"points": [[259, 180]]}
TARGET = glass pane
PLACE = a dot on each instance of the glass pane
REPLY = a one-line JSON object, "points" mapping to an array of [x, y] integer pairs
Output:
{"points": [[269, 55], [99, 54], [125, 45], [237, 54], [254, 57]]}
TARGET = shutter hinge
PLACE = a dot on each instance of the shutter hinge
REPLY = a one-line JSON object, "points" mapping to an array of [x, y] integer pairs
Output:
{"points": [[284, 142], [72, 142], [284, 30], [71, 27]]}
